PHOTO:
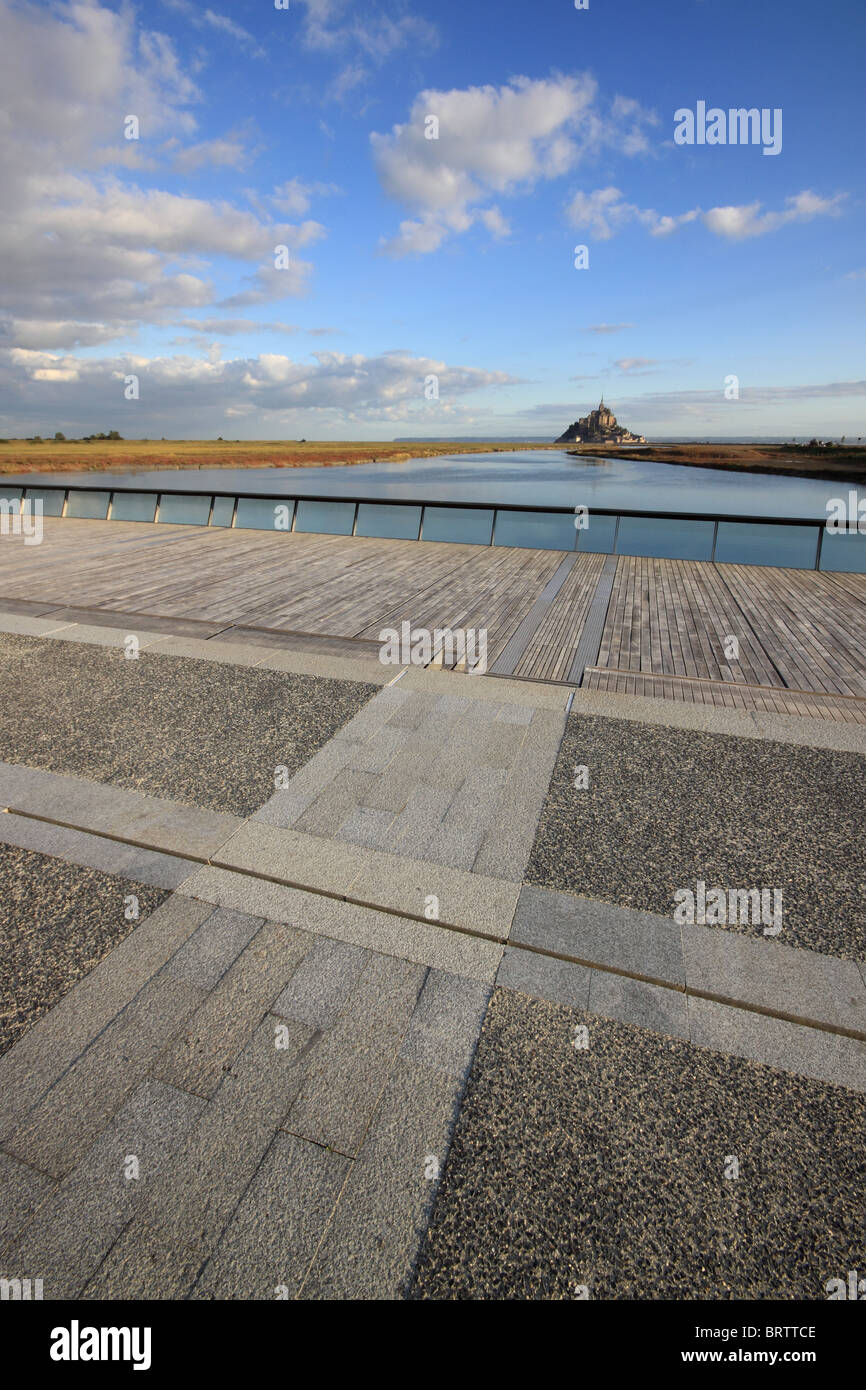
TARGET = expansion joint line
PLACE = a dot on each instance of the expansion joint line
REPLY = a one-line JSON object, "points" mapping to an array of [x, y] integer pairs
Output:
{"points": [[495, 938]]}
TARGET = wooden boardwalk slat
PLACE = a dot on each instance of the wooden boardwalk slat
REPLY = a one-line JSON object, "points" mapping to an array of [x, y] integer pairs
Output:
{"points": [[801, 633]]}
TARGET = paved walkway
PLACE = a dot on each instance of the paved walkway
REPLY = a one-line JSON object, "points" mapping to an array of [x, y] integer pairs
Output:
{"points": [[253, 1093]]}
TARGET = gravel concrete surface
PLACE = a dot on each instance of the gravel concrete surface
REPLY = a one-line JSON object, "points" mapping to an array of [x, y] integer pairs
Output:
{"points": [[187, 730], [604, 1167], [57, 922], [668, 807]]}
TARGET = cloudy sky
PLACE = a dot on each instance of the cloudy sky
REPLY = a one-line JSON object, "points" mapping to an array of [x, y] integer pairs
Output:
{"points": [[285, 252]]}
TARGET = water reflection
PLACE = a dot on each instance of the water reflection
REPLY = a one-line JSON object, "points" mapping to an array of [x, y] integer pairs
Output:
{"points": [[521, 478]]}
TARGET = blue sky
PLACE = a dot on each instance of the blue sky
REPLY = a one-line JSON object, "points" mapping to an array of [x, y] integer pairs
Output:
{"points": [[412, 258]]}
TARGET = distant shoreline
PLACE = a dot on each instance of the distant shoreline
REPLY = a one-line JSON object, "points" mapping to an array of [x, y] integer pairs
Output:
{"points": [[145, 456], [842, 463]]}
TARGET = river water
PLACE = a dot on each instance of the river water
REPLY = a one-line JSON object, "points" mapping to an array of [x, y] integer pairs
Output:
{"points": [[523, 477]]}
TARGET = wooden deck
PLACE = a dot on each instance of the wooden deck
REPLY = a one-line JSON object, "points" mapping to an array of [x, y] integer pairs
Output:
{"points": [[801, 634]]}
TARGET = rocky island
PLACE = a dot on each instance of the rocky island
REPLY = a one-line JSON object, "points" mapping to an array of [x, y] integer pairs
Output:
{"points": [[599, 427]]}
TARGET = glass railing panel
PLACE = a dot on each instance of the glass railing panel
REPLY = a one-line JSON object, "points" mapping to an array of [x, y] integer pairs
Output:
{"points": [[10, 494], [464, 526], [93, 505], [325, 518], [184, 509], [843, 552], [265, 513], [535, 530], [50, 497], [393, 521], [133, 506], [767, 543], [669, 538], [223, 511], [596, 533]]}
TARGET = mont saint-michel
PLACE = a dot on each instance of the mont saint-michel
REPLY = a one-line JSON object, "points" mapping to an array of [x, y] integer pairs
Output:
{"points": [[599, 427]]}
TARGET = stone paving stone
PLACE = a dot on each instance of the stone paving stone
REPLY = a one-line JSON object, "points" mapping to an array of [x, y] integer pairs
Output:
{"points": [[349, 1067], [196, 649], [414, 712], [56, 796], [499, 745], [257, 896], [372, 1241], [374, 716], [364, 826], [309, 860], [79, 847], [634, 1001], [333, 805], [391, 790], [145, 1263], [285, 808], [340, 668], [30, 626], [379, 750], [43, 1054], [814, 988], [791, 1047], [545, 977], [315, 775], [811, 733], [598, 933], [22, 1191], [273, 1235], [444, 1027], [674, 714], [508, 843], [206, 956], [319, 989], [181, 1216], [459, 837], [98, 636], [515, 714], [507, 846], [433, 763], [198, 1057], [62, 1126], [418, 820], [488, 690], [386, 932], [72, 1231], [181, 829], [406, 885]]}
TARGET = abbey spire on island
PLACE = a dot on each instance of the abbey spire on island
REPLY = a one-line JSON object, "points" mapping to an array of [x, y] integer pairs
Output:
{"points": [[599, 427]]}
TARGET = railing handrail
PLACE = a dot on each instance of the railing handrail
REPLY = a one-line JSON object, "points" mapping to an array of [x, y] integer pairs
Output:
{"points": [[426, 502]]}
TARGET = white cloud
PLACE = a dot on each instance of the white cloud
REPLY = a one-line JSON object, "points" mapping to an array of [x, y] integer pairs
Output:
{"points": [[88, 253], [747, 220], [189, 393], [608, 327], [213, 20], [605, 212], [635, 364], [493, 141], [294, 197]]}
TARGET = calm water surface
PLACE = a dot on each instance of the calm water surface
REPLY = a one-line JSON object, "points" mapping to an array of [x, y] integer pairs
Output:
{"points": [[552, 479]]}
